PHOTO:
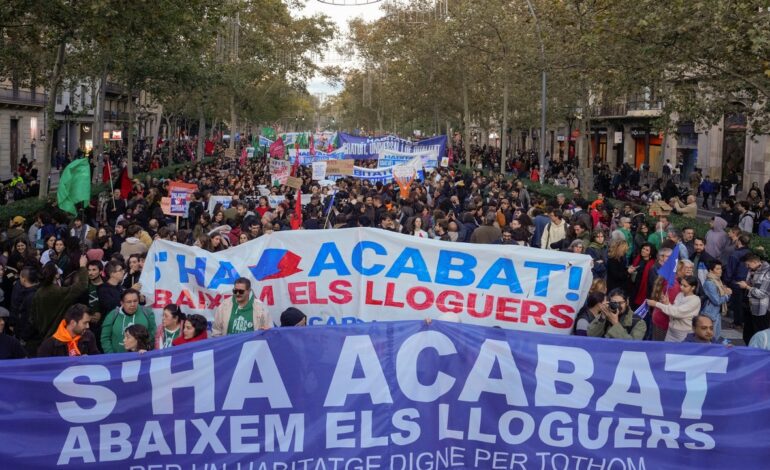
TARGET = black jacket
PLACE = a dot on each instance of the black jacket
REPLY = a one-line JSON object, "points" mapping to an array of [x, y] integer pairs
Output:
{"points": [[21, 300], [109, 297], [52, 347]]}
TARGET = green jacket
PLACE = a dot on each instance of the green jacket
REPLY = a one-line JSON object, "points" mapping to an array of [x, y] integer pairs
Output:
{"points": [[49, 305], [629, 326], [116, 322]]}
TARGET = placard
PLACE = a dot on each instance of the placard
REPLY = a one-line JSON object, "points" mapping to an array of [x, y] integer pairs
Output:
{"points": [[294, 182], [339, 167]]}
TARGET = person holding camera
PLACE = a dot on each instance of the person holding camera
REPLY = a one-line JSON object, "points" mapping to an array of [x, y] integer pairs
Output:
{"points": [[618, 320]]}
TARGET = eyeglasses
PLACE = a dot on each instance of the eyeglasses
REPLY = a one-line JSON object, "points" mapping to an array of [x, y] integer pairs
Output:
{"points": [[239, 291]]}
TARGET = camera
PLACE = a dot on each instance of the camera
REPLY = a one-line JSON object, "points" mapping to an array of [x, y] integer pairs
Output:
{"points": [[614, 306]]}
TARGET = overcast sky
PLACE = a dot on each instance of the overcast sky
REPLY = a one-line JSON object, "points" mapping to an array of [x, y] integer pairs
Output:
{"points": [[340, 15]]}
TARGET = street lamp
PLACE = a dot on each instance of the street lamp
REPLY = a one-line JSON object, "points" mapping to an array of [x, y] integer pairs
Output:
{"points": [[67, 113]]}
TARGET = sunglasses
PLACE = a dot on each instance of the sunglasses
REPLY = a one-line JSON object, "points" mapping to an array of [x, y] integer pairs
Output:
{"points": [[239, 291]]}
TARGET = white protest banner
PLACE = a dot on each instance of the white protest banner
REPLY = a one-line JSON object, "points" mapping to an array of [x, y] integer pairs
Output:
{"points": [[279, 171], [389, 158], [367, 274], [274, 200], [319, 171], [224, 200]]}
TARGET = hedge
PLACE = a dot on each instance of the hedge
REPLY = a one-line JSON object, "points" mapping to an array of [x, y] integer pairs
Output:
{"points": [[29, 207]]}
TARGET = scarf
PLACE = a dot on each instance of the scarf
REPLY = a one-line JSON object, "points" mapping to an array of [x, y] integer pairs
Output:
{"points": [[641, 294], [65, 337], [721, 288]]}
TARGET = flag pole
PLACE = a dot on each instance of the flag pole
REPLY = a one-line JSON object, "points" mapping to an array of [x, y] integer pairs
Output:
{"points": [[112, 189]]}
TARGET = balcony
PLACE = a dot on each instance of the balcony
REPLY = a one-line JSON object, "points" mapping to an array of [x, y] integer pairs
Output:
{"points": [[118, 90], [115, 116], [23, 98], [640, 108]]}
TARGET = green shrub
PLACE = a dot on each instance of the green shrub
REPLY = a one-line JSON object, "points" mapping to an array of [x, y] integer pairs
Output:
{"points": [[27, 208]]}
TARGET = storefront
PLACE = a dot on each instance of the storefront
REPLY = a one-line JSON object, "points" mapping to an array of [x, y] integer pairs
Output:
{"points": [[648, 148]]}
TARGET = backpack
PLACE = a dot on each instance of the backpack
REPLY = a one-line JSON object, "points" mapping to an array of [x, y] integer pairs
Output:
{"points": [[754, 219]]}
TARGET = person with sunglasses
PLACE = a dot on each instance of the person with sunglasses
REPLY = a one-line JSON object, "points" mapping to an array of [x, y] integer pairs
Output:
{"points": [[241, 313]]}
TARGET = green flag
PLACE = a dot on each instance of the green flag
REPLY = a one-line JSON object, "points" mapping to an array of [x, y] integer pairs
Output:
{"points": [[74, 185], [268, 132]]}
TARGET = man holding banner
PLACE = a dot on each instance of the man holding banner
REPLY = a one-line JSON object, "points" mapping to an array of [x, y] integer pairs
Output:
{"points": [[241, 313]]}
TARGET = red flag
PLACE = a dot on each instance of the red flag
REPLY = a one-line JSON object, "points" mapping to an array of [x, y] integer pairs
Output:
{"points": [[277, 149], [296, 223], [243, 157], [125, 184], [330, 149], [312, 146], [450, 155], [107, 171]]}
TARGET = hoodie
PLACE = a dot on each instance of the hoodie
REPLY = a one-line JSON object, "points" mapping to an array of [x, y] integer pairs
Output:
{"points": [[716, 238]]}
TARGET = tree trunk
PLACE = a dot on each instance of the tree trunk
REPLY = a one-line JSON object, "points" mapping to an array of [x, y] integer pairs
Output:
{"points": [[98, 135], [53, 90], [201, 132], [233, 118], [504, 130], [131, 122], [466, 125]]}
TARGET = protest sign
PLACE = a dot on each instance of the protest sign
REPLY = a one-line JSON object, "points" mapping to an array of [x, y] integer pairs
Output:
{"points": [[230, 153], [371, 274], [319, 171], [225, 202], [339, 167], [180, 195], [279, 171], [389, 159], [445, 395], [274, 200], [294, 182]]}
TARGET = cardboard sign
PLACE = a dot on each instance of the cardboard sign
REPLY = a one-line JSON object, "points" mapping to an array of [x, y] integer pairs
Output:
{"points": [[230, 153], [294, 182], [659, 208], [339, 167]]}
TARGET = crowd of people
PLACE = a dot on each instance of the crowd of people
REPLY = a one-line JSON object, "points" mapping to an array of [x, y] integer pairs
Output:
{"points": [[70, 285]]}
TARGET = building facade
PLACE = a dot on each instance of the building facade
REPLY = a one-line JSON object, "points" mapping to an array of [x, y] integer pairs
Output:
{"points": [[22, 126]]}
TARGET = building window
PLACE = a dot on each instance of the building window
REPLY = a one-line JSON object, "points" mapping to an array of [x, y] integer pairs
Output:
{"points": [[82, 96], [59, 97], [72, 97]]}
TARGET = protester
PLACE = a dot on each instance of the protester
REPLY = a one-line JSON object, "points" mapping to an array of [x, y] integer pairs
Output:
{"points": [[619, 321], [597, 249], [293, 317], [618, 270], [685, 307], [194, 329], [73, 337], [51, 301], [240, 313], [10, 347], [642, 264], [716, 296], [129, 313], [171, 326], [703, 332], [554, 232], [757, 289], [596, 305], [136, 338]]}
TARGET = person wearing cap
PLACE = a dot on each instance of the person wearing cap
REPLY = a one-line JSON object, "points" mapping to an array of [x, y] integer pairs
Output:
{"points": [[16, 228], [10, 348], [293, 317]]}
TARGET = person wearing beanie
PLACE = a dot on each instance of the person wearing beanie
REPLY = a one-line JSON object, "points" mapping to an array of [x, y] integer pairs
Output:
{"points": [[293, 317]]}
